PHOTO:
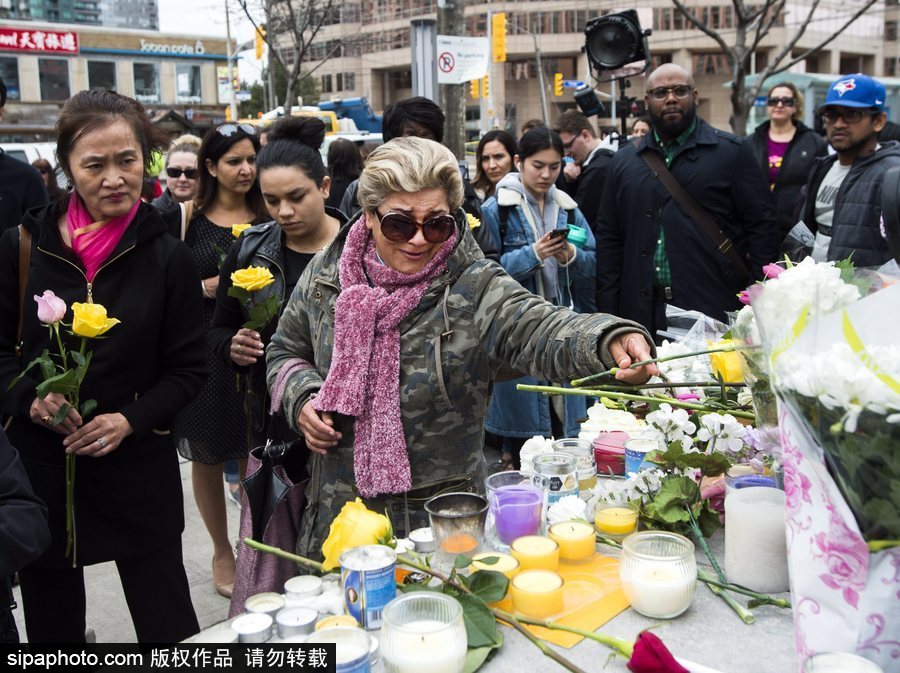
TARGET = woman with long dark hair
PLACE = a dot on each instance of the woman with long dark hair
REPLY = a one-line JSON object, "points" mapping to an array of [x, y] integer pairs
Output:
{"points": [[493, 159], [344, 166], [213, 428]]}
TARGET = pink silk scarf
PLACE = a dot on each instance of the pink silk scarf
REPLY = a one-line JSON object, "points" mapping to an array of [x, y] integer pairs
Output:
{"points": [[94, 241]]}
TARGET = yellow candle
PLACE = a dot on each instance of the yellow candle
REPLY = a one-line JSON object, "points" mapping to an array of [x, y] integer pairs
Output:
{"points": [[537, 593], [535, 552], [576, 540], [615, 519], [505, 563]]}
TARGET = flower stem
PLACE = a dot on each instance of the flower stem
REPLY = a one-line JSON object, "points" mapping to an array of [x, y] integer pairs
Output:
{"points": [[701, 540], [674, 384], [621, 646], [275, 551], [667, 358], [656, 399], [742, 612], [763, 599]]}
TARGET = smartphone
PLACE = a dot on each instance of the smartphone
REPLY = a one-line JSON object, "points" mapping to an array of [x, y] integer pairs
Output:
{"points": [[559, 233]]}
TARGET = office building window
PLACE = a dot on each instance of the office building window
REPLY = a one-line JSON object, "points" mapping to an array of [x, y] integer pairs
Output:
{"points": [[326, 84], [146, 82], [187, 84], [53, 74], [101, 75], [9, 72]]}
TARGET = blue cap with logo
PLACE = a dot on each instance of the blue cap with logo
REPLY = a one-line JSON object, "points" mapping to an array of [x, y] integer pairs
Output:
{"points": [[860, 91]]}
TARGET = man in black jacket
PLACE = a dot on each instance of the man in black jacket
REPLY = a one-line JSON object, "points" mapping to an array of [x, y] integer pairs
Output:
{"points": [[650, 252], [590, 162], [24, 534], [843, 202], [21, 186]]}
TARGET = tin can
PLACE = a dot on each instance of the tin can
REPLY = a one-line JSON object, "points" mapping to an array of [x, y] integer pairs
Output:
{"points": [[556, 474], [367, 578], [353, 651]]}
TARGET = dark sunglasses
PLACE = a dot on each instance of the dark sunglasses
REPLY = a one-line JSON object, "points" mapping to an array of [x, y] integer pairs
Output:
{"points": [[229, 129], [775, 101], [662, 92], [849, 115], [175, 173], [399, 228]]}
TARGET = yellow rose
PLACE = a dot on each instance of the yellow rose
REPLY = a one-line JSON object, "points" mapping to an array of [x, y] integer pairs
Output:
{"points": [[90, 320], [728, 364], [252, 278], [473, 221], [353, 527], [238, 229]]}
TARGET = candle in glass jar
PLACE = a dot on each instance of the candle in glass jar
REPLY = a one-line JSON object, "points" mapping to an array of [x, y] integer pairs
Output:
{"points": [[615, 519], [504, 563], [536, 552], [756, 539], [660, 591], [839, 662], [659, 573], [537, 593], [422, 646], [459, 543], [576, 540]]}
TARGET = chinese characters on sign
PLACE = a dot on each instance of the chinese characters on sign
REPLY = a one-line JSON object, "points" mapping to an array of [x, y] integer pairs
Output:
{"points": [[49, 41]]}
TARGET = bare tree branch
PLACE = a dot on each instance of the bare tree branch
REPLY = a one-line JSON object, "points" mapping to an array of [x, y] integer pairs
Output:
{"points": [[702, 27]]}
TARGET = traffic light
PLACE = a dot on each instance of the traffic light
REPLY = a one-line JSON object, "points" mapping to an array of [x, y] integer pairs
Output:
{"points": [[485, 86], [259, 42], [474, 86], [557, 84], [498, 36], [228, 114]]}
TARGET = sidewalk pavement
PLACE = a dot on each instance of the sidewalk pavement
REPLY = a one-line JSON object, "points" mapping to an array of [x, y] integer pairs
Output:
{"points": [[107, 613]]}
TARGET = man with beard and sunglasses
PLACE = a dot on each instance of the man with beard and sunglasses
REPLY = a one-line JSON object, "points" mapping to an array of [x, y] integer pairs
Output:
{"points": [[650, 251], [842, 215]]}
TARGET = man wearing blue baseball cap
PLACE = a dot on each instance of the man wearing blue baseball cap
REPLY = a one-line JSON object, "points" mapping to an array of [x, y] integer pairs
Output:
{"points": [[843, 195]]}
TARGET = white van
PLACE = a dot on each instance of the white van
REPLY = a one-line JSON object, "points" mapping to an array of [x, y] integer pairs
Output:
{"points": [[30, 152], [359, 139]]}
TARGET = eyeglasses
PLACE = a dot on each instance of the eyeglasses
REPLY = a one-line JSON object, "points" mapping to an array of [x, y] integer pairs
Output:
{"points": [[400, 228], [228, 130], [849, 115], [568, 146], [175, 173], [787, 101], [662, 92]]}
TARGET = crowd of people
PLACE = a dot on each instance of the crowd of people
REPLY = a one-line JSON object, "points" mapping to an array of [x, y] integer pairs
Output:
{"points": [[409, 302]]}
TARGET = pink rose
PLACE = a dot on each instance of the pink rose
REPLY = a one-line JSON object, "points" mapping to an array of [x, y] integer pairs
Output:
{"points": [[846, 559], [51, 309], [744, 297], [772, 270]]}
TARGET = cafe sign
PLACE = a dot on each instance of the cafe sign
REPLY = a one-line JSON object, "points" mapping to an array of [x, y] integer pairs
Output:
{"points": [[175, 49], [45, 41]]}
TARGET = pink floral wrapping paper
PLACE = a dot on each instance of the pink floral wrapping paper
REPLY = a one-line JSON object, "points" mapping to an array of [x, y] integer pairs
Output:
{"points": [[844, 598]]}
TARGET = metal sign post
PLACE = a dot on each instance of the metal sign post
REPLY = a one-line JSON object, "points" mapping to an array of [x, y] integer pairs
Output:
{"points": [[424, 58]]}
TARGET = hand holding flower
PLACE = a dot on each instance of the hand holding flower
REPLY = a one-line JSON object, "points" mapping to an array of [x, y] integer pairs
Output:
{"points": [[246, 347], [48, 407], [245, 283], [111, 428], [627, 350]]}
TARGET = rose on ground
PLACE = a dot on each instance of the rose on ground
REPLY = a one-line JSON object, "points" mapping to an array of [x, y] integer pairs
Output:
{"points": [[252, 278], [354, 526], [51, 309], [90, 320]]}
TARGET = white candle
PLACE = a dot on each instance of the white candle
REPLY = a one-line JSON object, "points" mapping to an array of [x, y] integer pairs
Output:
{"points": [[303, 586], [755, 539], [268, 603], [253, 627], [659, 589], [839, 662], [423, 645]]}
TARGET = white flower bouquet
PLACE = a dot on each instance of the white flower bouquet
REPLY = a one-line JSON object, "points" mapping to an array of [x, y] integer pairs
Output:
{"points": [[830, 337]]}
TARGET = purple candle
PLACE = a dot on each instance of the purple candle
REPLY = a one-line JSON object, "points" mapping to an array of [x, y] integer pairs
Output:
{"points": [[516, 511]]}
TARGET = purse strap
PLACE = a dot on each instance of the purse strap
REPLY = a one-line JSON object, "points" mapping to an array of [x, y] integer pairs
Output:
{"points": [[696, 212], [24, 262]]}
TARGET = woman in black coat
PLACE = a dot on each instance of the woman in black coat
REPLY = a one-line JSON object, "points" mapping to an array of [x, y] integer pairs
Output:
{"points": [[786, 149], [128, 505]]}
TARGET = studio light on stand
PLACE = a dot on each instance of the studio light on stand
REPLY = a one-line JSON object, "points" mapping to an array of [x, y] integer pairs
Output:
{"points": [[616, 47]]}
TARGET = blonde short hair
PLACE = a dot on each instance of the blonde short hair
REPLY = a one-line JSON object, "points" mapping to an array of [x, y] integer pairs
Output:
{"points": [[409, 165]]}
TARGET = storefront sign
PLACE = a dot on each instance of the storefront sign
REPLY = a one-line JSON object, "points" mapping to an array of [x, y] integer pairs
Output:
{"points": [[156, 48], [47, 41]]}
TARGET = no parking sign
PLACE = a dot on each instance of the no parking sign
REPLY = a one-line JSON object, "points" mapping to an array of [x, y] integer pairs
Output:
{"points": [[461, 59]]}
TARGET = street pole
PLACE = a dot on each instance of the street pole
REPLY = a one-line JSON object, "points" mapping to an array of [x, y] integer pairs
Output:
{"points": [[233, 104], [540, 69], [450, 21]]}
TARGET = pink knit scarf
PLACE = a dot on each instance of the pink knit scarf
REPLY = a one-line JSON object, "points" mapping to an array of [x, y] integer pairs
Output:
{"points": [[364, 379], [94, 241]]}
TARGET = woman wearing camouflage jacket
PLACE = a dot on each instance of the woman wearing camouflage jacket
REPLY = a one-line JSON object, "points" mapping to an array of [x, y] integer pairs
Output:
{"points": [[386, 353]]}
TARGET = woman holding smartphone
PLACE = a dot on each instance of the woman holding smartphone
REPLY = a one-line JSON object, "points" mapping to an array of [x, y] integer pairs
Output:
{"points": [[530, 218]]}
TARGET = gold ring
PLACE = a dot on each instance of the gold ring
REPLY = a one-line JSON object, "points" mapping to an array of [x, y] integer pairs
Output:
{"points": [[47, 418]]}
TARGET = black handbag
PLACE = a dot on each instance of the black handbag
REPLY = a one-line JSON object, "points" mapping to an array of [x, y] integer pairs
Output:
{"points": [[281, 471]]}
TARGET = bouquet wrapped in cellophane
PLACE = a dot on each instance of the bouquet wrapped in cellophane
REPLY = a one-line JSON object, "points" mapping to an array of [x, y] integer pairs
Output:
{"points": [[830, 334]]}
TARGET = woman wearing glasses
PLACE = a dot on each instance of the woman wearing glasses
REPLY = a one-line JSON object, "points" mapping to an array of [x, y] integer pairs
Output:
{"points": [[786, 149], [180, 172], [385, 354], [212, 429]]}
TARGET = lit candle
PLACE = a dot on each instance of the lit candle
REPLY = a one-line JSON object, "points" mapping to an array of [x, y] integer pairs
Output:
{"points": [[253, 627], [336, 621], [352, 647], [756, 539], [576, 540], [536, 552], [423, 645], [504, 564], [295, 621], [615, 520], [659, 573], [537, 593]]}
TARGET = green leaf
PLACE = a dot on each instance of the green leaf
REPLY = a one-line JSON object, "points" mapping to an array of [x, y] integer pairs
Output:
{"points": [[60, 414], [88, 407], [462, 561], [64, 383], [77, 357], [489, 585], [708, 520], [476, 656], [674, 495], [711, 465], [481, 627], [239, 293], [43, 360]]}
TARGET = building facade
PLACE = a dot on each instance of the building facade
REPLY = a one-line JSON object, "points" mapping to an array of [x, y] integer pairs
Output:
{"points": [[369, 47], [45, 63]]}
